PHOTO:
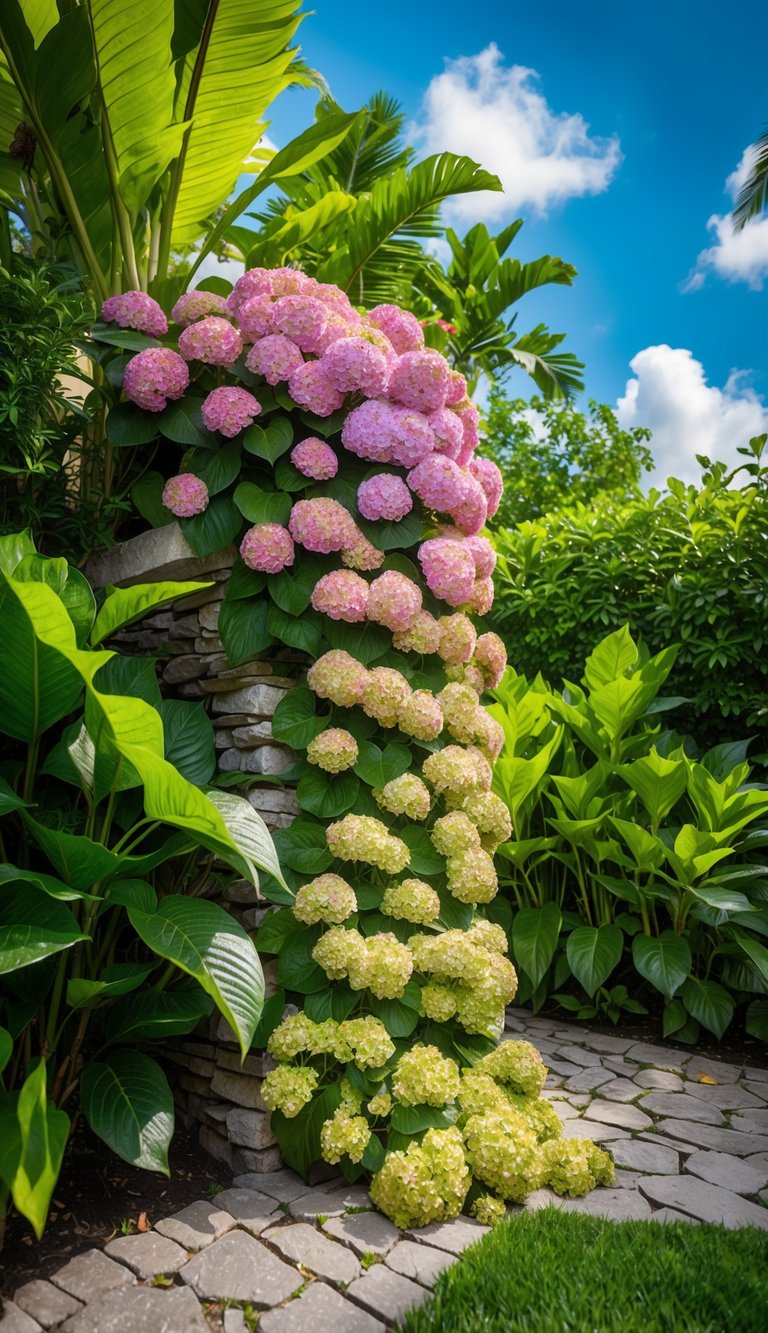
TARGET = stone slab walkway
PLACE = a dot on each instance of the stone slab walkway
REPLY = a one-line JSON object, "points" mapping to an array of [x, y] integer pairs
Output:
{"points": [[689, 1137]]}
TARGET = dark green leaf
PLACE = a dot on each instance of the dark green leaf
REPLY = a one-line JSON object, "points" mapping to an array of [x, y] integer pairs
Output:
{"points": [[258, 506], [155, 1014], [271, 441], [215, 529], [376, 766], [299, 1137], [535, 932], [295, 721], [664, 961], [415, 1119], [327, 796], [709, 1003], [188, 737], [243, 629], [182, 422], [424, 859], [128, 1103], [593, 953], [303, 632], [127, 426]]}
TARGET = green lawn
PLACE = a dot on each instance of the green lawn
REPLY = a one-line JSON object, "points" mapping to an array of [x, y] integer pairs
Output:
{"points": [[552, 1272]]}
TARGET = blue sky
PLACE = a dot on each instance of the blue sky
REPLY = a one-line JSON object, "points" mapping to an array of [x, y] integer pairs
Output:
{"points": [[672, 94]]}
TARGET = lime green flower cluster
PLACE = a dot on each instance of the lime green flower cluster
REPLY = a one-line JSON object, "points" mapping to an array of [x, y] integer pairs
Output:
{"points": [[368, 1040], [517, 1065], [427, 1183], [344, 1134], [424, 1077], [481, 980], [406, 795], [334, 750], [411, 900], [362, 838], [490, 817], [379, 963], [288, 1088], [576, 1166], [328, 898], [380, 1105], [462, 712], [472, 876], [456, 772], [503, 1153], [455, 833], [488, 1210], [365, 1041]]}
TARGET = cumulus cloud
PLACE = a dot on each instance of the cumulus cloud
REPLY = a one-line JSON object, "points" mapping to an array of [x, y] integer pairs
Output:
{"points": [[737, 256], [496, 114], [670, 394]]}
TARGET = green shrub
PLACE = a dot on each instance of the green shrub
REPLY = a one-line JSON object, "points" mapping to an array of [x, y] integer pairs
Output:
{"points": [[108, 838], [687, 567], [629, 860]]}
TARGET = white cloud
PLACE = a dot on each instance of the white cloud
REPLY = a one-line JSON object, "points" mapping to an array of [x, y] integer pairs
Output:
{"points": [[688, 416], [496, 114], [737, 256]]}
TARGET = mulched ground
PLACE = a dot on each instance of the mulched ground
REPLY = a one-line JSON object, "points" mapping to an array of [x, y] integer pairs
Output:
{"points": [[99, 1196]]}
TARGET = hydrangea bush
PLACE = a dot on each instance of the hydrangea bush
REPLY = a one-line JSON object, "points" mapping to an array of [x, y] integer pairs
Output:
{"points": [[340, 453]]}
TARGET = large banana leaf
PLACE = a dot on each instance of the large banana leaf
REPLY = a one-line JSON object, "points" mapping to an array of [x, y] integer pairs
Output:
{"points": [[38, 685], [241, 62], [128, 1103], [33, 1136]]}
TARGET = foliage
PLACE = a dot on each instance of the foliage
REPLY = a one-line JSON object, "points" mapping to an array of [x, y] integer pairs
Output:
{"points": [[125, 124], [687, 566], [630, 861], [553, 456], [108, 838], [753, 195], [553, 1270]]}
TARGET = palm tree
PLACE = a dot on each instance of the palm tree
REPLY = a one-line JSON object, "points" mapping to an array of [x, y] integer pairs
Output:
{"points": [[753, 195]]}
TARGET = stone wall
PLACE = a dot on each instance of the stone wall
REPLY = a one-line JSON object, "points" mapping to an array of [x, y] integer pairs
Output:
{"points": [[213, 1088]]}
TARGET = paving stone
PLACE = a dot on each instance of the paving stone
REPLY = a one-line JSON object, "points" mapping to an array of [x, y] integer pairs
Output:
{"points": [[618, 1065], [249, 1129], [615, 1113], [661, 1057], [323, 1203], [751, 1121], [577, 1099], [679, 1145], [234, 1321], [251, 1210], [45, 1303], [14, 1320], [682, 1107], [91, 1275], [578, 1056], [421, 1263], [589, 1079], [564, 1067], [584, 1128], [756, 1074], [719, 1069], [672, 1215], [141, 1310], [625, 1180], [318, 1310], [663, 1079], [280, 1185], [726, 1096], [543, 1198], [197, 1225], [709, 1136], [757, 1089], [239, 1268], [719, 1168], [649, 1158], [147, 1254], [305, 1245], [452, 1236], [385, 1294], [597, 1041], [620, 1090], [758, 1160], [365, 1233], [710, 1203], [617, 1205]]}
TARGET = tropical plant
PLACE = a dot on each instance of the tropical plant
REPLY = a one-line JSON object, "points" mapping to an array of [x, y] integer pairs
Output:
{"points": [[109, 840], [687, 566], [630, 861], [753, 195], [554, 456]]}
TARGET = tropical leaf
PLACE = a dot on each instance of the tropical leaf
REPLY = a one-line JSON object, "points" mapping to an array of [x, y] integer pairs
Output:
{"points": [[127, 1101], [33, 1136], [123, 605]]}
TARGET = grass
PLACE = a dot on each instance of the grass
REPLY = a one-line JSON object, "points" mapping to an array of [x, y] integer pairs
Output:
{"points": [[552, 1272]]}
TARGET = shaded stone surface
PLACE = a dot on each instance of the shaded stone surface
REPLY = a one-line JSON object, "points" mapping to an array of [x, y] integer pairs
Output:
{"points": [[141, 1310], [584, 1128], [320, 1309], [620, 1090], [14, 1320], [451, 1236], [617, 1205], [283, 1186], [726, 1096], [305, 1245], [365, 1233], [148, 1254], [616, 1113], [661, 1057], [420, 1263], [683, 1107], [649, 1158], [47, 1304], [732, 1173], [659, 1078], [197, 1225], [240, 1268], [709, 1136], [323, 1203], [590, 1078], [91, 1275], [250, 1209], [707, 1202], [386, 1294]]}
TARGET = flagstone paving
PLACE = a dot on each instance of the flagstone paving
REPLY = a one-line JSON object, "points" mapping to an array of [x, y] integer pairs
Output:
{"points": [[303, 1259]]}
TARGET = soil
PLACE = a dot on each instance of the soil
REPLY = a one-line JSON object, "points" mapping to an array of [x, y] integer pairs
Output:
{"points": [[99, 1196]]}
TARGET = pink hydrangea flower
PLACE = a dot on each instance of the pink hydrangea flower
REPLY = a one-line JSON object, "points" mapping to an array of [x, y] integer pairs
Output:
{"points": [[212, 340], [472, 510], [423, 636], [322, 525], [457, 389], [153, 376], [300, 318], [229, 410], [481, 598], [185, 495], [361, 554], [135, 310], [342, 595], [267, 547], [491, 656], [339, 677], [448, 568], [314, 458], [196, 305], [275, 357], [369, 431], [458, 638], [255, 318], [400, 326], [354, 365], [254, 282], [491, 480], [333, 297], [394, 600], [448, 432], [439, 483], [310, 387], [469, 418], [420, 380], [483, 555], [290, 282], [337, 325], [413, 437], [384, 496]]}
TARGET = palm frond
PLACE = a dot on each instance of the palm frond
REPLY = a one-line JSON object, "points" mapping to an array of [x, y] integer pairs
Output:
{"points": [[753, 195]]}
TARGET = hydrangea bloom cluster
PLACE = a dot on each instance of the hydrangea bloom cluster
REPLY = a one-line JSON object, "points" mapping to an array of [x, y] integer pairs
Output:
{"points": [[135, 310], [384, 540]]}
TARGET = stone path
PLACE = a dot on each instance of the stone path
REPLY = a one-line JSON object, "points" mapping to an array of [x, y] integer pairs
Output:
{"points": [[689, 1137]]}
